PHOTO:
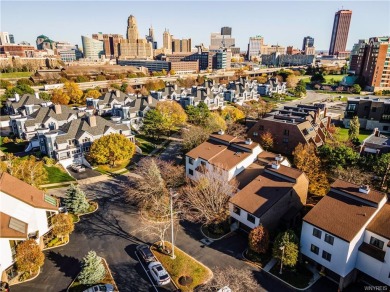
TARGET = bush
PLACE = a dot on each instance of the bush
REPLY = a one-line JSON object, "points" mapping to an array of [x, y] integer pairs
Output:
{"points": [[53, 242], [4, 84], [18, 140], [49, 161], [7, 140], [101, 78], [24, 81], [80, 79], [259, 239]]}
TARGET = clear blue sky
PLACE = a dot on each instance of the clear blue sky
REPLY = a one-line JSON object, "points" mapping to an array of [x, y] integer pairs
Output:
{"points": [[282, 22]]}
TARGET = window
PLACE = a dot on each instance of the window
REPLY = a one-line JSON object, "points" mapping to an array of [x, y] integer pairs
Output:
{"points": [[314, 249], [191, 161], [285, 140], [255, 134], [191, 172], [317, 232], [376, 242], [385, 128], [373, 109], [329, 239], [236, 210], [326, 255], [203, 163], [251, 218], [286, 132]]}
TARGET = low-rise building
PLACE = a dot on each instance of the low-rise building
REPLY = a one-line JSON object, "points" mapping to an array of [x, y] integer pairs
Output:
{"points": [[347, 234], [376, 143], [25, 213], [272, 86], [293, 125]]}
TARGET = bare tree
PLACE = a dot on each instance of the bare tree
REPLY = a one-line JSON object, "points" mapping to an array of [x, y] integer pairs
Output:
{"points": [[155, 229], [235, 129], [206, 199], [235, 279], [172, 174]]}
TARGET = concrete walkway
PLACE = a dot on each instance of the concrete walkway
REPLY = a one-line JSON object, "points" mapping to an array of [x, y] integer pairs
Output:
{"points": [[269, 265]]}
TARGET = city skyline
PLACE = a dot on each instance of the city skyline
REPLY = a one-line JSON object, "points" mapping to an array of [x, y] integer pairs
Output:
{"points": [[268, 19]]}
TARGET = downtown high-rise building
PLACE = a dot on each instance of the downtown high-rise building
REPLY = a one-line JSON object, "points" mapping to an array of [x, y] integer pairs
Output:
{"points": [[167, 41], [92, 49], [110, 43], [4, 38], [308, 41], [222, 40], [150, 38], [254, 46], [181, 46], [338, 40]]}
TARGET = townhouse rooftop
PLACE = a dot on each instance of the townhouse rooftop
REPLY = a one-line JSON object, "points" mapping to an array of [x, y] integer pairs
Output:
{"points": [[380, 224], [11, 227], [369, 98]]}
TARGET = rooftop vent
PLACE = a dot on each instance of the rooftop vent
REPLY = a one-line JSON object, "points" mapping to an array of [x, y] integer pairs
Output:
{"points": [[275, 165], [279, 157], [221, 132], [248, 141], [365, 189], [292, 120]]}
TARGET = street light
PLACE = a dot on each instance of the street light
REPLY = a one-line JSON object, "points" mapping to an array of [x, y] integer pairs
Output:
{"points": [[172, 195], [281, 262]]}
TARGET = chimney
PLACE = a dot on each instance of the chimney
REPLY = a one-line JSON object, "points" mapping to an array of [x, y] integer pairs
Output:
{"points": [[92, 121], [365, 189], [275, 165], [17, 97], [221, 132], [279, 157], [149, 99], [37, 95], [325, 111], [376, 132], [117, 93], [57, 109], [248, 141]]}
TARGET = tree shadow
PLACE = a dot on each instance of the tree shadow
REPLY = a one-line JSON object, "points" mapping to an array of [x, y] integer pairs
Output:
{"points": [[68, 265]]}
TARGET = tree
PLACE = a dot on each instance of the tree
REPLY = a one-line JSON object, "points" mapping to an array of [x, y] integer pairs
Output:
{"points": [[291, 81], [152, 123], [262, 79], [173, 115], [286, 248], [333, 156], [300, 89], [24, 81], [144, 91], [75, 200], [93, 93], [306, 160], [353, 131], [198, 114], [74, 92], [267, 140], [193, 137], [45, 96], [206, 199], [62, 225], [4, 84], [235, 129], [59, 96], [215, 123], [356, 88], [93, 270], [172, 174], [247, 109], [29, 257], [101, 78], [19, 89], [317, 77], [232, 113], [259, 239], [235, 279], [382, 169], [261, 108], [81, 78], [112, 148]]}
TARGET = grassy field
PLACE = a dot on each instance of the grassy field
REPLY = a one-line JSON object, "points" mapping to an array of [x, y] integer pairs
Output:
{"points": [[107, 169], [57, 175], [183, 265], [342, 134], [337, 78], [16, 75], [146, 146]]}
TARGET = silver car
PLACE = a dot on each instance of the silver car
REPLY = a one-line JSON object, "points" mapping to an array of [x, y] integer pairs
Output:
{"points": [[101, 287], [159, 274]]}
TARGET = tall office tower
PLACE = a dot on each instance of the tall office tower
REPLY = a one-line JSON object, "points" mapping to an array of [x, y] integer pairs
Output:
{"points": [[308, 42], [132, 29], [222, 40], [111, 42], [356, 57], [4, 38], [181, 46], [167, 41], [11, 39], [92, 49], [150, 38], [254, 46], [338, 41]]}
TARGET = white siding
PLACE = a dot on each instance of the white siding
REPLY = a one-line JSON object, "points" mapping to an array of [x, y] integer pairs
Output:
{"points": [[243, 217]]}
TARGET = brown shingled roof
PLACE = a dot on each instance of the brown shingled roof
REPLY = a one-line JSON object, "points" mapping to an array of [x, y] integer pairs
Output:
{"points": [[224, 137], [352, 189], [6, 231], [206, 150], [380, 223], [339, 215], [260, 194], [286, 171], [24, 192]]}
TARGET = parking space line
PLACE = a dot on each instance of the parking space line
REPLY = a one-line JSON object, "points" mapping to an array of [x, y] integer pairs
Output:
{"points": [[142, 265]]}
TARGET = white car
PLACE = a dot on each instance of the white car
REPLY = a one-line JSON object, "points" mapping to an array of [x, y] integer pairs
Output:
{"points": [[159, 274], [101, 288]]}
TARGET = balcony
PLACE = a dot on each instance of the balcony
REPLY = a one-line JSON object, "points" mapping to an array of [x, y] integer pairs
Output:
{"points": [[372, 251]]}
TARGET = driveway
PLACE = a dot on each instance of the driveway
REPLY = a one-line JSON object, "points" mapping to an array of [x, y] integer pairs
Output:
{"points": [[88, 173], [173, 152]]}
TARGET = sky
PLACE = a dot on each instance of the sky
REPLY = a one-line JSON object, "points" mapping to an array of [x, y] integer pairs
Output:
{"points": [[279, 22]]}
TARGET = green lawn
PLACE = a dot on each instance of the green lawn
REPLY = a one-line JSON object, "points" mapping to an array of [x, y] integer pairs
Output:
{"points": [[337, 78], [57, 175], [107, 169], [16, 74], [342, 134], [146, 146], [183, 265], [12, 147]]}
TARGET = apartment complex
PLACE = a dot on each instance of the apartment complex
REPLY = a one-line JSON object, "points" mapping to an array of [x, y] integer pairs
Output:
{"points": [[372, 112], [338, 40], [25, 213], [293, 125], [347, 234]]}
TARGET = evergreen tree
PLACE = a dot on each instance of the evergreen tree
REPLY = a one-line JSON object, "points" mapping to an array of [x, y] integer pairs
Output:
{"points": [[93, 270], [353, 131], [75, 200]]}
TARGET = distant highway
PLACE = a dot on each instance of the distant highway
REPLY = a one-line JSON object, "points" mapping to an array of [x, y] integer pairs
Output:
{"points": [[143, 80]]}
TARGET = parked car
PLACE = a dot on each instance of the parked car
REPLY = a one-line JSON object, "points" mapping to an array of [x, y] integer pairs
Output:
{"points": [[4, 287], [63, 209], [159, 274], [78, 167], [145, 253], [101, 287]]}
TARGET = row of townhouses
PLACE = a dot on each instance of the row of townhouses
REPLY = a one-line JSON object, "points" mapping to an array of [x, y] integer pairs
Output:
{"points": [[345, 235], [25, 213]]}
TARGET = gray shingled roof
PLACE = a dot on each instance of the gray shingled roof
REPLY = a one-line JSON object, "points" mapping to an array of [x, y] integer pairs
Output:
{"points": [[44, 113], [110, 96], [26, 99]]}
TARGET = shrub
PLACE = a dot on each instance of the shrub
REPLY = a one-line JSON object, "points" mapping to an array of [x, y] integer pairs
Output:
{"points": [[49, 161], [259, 239], [18, 140], [7, 140]]}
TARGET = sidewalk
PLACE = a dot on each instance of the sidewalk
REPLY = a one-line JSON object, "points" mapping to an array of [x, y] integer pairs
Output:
{"points": [[269, 265]]}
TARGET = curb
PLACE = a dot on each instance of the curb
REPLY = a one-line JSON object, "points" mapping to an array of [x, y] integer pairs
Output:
{"points": [[109, 271], [219, 238], [249, 261], [28, 280], [97, 208], [288, 284], [63, 244]]}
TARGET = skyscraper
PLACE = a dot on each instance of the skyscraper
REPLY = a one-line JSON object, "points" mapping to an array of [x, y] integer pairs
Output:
{"points": [[181, 46], [222, 40], [150, 38], [308, 42], [167, 41], [338, 41], [254, 46], [132, 29], [111, 42], [92, 49]]}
